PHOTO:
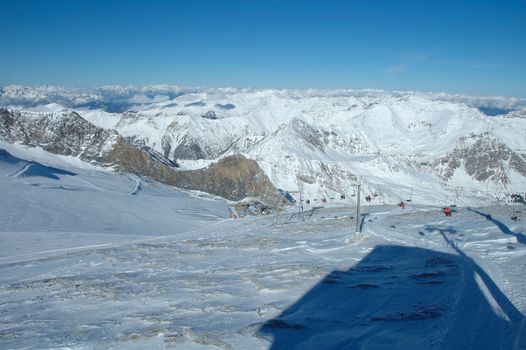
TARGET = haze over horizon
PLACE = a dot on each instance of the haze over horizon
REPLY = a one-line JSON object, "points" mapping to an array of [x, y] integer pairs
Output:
{"points": [[472, 48]]}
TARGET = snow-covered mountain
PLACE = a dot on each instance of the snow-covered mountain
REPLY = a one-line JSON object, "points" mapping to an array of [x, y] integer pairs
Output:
{"points": [[68, 134], [398, 146], [430, 148]]}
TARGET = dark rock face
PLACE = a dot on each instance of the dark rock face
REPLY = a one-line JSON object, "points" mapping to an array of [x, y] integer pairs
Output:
{"points": [[193, 144], [190, 148], [233, 177], [195, 104], [483, 157], [227, 106], [319, 139], [210, 115], [65, 133], [310, 135]]}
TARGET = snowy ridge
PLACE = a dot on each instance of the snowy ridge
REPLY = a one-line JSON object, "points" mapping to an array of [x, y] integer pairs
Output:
{"points": [[320, 145], [402, 145], [65, 133]]}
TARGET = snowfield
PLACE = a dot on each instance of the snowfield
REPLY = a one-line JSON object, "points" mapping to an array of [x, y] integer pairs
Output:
{"points": [[90, 259]]}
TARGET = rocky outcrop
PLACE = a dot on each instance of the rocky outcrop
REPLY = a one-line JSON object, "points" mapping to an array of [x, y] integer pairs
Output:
{"points": [[200, 138], [60, 133], [233, 177], [483, 157]]}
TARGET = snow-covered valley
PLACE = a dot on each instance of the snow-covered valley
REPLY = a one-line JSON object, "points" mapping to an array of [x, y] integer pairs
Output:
{"points": [[91, 259]]}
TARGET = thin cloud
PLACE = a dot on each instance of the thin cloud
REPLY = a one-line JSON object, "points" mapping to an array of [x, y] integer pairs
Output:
{"points": [[474, 64], [397, 68], [406, 61], [143, 99]]}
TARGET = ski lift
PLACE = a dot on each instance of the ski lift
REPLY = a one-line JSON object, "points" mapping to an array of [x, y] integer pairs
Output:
{"points": [[446, 200], [455, 201], [410, 196]]}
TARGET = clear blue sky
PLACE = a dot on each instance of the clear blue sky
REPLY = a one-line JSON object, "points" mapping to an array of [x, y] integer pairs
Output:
{"points": [[470, 47]]}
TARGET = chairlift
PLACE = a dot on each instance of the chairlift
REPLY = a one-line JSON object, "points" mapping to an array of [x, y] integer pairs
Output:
{"points": [[376, 191], [446, 201], [455, 200], [410, 196]]}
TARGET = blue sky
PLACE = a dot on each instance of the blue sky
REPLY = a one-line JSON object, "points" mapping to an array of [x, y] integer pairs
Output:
{"points": [[469, 47]]}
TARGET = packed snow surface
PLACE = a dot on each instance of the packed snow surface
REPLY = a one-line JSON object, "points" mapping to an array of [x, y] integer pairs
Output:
{"points": [[92, 259]]}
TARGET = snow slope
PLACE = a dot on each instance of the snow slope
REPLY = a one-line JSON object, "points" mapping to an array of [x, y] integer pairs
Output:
{"points": [[91, 259], [40, 195]]}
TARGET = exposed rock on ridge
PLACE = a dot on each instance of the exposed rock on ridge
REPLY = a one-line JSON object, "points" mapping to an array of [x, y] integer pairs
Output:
{"points": [[234, 177], [483, 157]]}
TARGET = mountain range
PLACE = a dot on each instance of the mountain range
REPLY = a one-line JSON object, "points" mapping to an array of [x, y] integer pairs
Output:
{"points": [[426, 148]]}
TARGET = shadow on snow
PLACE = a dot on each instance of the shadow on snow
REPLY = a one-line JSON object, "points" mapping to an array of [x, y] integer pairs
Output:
{"points": [[362, 222], [33, 168], [400, 297], [521, 238]]}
